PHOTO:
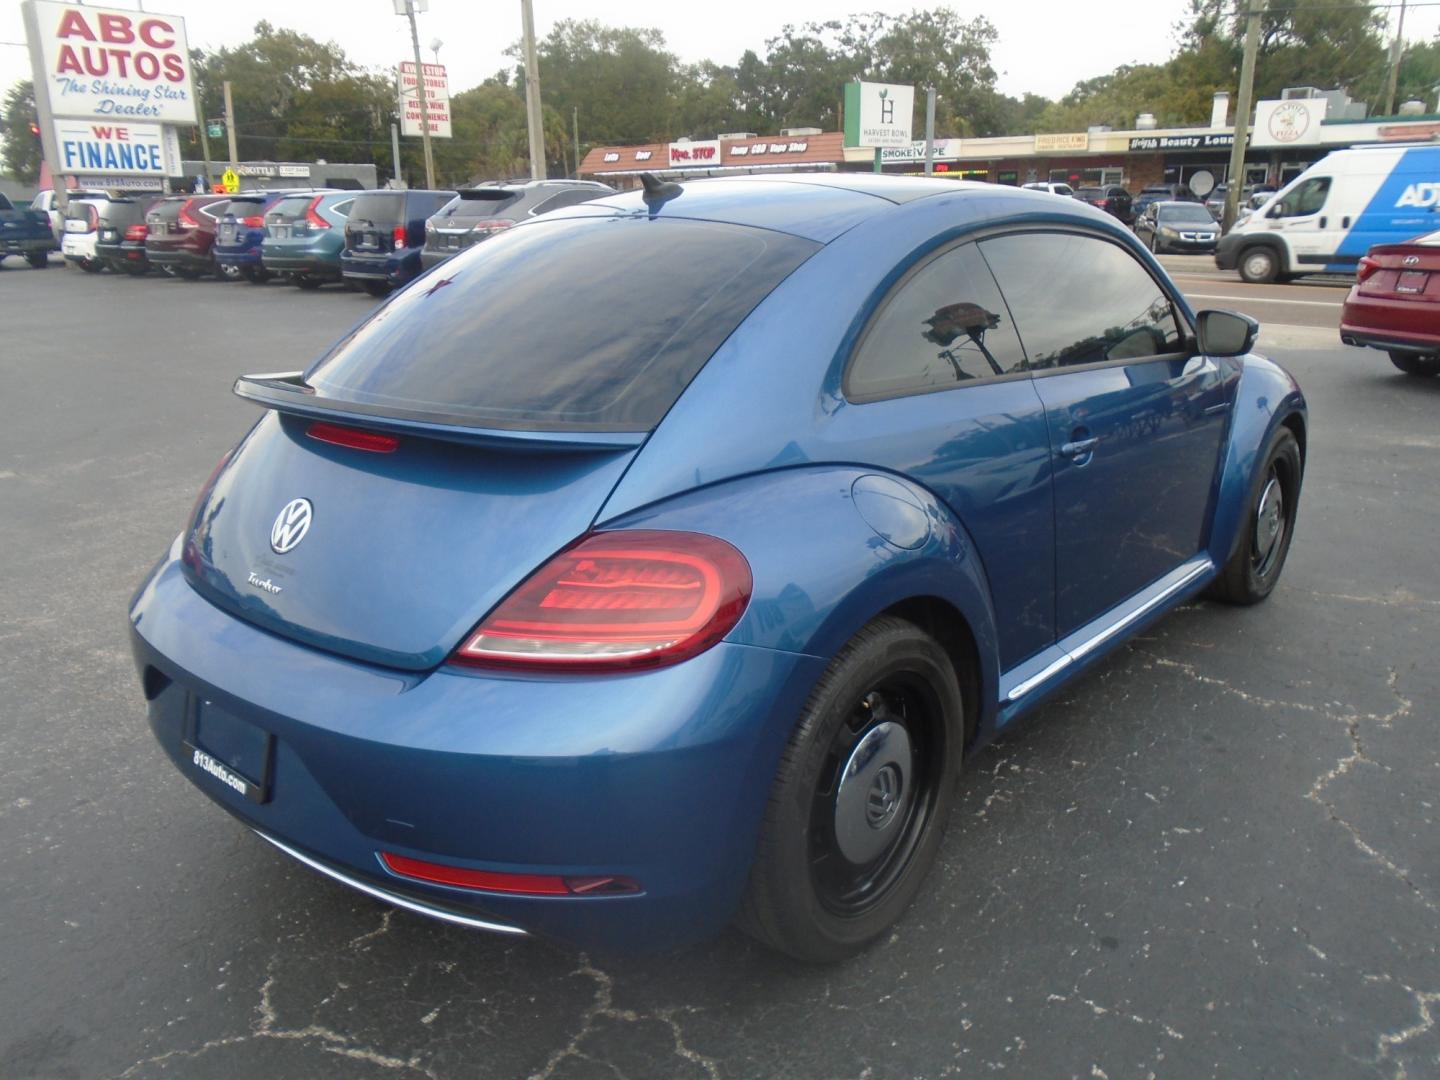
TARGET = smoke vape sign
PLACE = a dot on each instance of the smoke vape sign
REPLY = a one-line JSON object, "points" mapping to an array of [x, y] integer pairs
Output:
{"points": [[879, 114]]}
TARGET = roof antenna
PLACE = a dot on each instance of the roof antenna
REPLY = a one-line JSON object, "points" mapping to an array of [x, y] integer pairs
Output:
{"points": [[657, 191]]}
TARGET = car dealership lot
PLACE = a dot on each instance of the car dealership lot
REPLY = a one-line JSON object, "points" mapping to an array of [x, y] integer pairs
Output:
{"points": [[1217, 855]]}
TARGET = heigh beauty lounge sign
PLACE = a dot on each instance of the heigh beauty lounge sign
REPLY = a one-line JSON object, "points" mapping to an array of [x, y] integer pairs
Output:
{"points": [[110, 64]]}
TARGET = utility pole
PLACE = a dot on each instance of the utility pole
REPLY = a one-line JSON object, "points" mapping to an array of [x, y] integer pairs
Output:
{"points": [[229, 129], [1397, 52], [424, 96], [575, 115], [204, 123], [1236, 179], [532, 92], [395, 152]]}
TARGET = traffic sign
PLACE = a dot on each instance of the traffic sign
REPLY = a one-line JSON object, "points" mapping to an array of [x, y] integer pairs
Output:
{"points": [[215, 130], [230, 181]]}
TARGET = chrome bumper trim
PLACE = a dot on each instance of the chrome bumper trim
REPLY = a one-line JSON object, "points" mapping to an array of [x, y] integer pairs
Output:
{"points": [[392, 898]]}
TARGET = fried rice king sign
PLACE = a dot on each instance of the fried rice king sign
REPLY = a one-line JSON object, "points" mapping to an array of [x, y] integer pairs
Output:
{"points": [[110, 64]]}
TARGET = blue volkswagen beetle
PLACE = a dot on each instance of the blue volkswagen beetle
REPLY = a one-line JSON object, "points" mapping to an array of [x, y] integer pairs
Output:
{"points": [[659, 563]]}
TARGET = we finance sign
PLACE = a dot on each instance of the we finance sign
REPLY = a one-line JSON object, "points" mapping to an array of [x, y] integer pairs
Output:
{"points": [[109, 64], [97, 149]]}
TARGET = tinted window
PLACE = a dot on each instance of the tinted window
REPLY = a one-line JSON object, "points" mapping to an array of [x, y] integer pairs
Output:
{"points": [[379, 207], [291, 208], [1307, 198], [1080, 300], [585, 325], [1090, 192], [945, 324], [343, 208], [1192, 213], [480, 204], [572, 197]]}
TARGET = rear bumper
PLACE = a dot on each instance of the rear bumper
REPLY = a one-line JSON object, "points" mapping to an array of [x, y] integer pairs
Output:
{"points": [[237, 256], [1393, 325], [25, 245], [661, 777], [430, 258], [122, 254], [396, 268], [300, 261], [180, 258], [78, 246]]}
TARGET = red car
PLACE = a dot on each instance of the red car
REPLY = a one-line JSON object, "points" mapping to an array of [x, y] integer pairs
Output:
{"points": [[1395, 304], [182, 234]]}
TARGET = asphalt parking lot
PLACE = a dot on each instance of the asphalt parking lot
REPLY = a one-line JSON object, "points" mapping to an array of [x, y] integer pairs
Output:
{"points": [[1216, 856]]}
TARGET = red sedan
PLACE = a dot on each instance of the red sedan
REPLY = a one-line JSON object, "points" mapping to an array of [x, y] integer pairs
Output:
{"points": [[1395, 304]]}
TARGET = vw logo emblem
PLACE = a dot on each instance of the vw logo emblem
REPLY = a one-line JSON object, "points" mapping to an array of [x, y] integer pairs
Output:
{"points": [[883, 797], [291, 525]]}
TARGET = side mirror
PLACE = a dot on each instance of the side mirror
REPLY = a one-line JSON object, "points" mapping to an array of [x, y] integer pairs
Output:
{"points": [[1278, 210], [1225, 333]]}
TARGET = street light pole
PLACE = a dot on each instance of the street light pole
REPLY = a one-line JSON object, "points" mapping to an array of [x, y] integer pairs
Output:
{"points": [[423, 94], [532, 92], [1235, 181], [1397, 52]]}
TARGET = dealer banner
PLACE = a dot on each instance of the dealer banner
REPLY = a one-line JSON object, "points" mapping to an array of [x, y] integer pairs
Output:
{"points": [[102, 149]]}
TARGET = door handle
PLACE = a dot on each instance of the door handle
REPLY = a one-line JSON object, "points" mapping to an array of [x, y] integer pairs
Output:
{"points": [[1322, 223], [1345, 222], [1079, 447]]}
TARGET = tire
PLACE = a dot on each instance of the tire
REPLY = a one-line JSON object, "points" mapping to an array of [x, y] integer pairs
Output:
{"points": [[90, 266], [307, 281], [185, 273], [1259, 265], [377, 288], [256, 275], [40, 260], [1254, 568], [1414, 364], [226, 273], [836, 865]]}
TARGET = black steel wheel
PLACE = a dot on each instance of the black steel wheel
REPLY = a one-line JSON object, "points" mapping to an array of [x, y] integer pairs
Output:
{"points": [[860, 798], [1269, 526]]}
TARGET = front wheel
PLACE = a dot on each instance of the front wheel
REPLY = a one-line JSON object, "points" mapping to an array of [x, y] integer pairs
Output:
{"points": [[1259, 265], [860, 799], [1253, 570], [1414, 364]]}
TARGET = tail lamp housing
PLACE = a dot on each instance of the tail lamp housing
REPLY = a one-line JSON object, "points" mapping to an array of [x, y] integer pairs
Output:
{"points": [[186, 218], [398, 235], [136, 232], [253, 221], [312, 216], [1366, 268], [616, 601]]}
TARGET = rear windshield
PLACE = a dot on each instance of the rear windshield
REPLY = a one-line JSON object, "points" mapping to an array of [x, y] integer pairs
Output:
{"points": [[1189, 212], [380, 207], [479, 204], [1090, 192], [165, 210], [569, 325], [291, 208]]}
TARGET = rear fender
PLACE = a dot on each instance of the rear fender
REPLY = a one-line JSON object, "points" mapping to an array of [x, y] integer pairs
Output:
{"points": [[1266, 397], [822, 568]]}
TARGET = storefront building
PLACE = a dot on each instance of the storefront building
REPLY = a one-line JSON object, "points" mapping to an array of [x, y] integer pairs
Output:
{"points": [[793, 150]]}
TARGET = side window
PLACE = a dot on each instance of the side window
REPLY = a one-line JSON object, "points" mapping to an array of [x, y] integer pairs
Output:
{"points": [[342, 209], [1081, 300], [945, 324], [1308, 198], [564, 198]]}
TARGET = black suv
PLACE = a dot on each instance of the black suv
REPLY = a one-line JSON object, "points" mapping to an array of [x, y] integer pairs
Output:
{"points": [[1112, 198], [480, 212], [120, 239], [383, 237]]}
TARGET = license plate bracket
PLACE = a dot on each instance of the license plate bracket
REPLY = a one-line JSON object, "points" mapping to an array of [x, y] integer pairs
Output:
{"points": [[230, 749]]}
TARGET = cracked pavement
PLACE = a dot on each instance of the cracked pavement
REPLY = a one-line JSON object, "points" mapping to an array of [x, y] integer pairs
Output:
{"points": [[1215, 856]]}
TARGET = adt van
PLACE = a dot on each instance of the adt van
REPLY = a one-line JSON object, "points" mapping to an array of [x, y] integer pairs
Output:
{"points": [[1333, 212]]}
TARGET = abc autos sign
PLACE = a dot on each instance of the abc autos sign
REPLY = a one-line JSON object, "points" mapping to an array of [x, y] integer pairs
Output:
{"points": [[111, 64]]}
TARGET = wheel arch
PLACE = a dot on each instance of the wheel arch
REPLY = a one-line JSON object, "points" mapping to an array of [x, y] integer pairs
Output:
{"points": [[947, 625], [1275, 244]]}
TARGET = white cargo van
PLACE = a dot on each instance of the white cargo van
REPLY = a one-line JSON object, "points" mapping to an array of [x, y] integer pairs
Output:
{"points": [[1325, 219]]}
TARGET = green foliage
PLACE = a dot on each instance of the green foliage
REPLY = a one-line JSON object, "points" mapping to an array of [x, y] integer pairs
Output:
{"points": [[19, 146]]}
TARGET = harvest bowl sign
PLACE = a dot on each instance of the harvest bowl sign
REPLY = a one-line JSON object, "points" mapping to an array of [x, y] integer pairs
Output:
{"points": [[111, 64]]}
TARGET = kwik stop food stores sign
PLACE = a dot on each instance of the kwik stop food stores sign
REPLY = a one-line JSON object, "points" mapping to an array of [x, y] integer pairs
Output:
{"points": [[110, 84]]}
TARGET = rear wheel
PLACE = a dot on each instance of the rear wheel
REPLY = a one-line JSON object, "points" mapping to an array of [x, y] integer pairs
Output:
{"points": [[1259, 265], [257, 275], [1253, 570], [185, 272], [90, 266], [40, 260], [307, 281], [860, 799], [1414, 364], [377, 288], [226, 273]]}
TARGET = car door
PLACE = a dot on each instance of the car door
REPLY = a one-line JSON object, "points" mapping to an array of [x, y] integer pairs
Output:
{"points": [[1135, 417], [940, 394], [1311, 232]]}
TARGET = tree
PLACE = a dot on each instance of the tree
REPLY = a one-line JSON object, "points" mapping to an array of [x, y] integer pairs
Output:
{"points": [[20, 151]]}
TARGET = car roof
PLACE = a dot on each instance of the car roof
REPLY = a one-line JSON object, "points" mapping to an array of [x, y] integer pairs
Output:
{"points": [[815, 206], [1162, 203]]}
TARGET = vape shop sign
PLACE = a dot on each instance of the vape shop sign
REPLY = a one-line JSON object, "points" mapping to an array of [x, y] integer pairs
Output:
{"points": [[96, 148]]}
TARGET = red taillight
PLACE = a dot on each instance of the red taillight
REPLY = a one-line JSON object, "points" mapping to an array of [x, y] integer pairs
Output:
{"points": [[617, 600], [185, 218], [398, 236], [92, 217], [491, 225], [314, 220], [494, 881], [254, 221], [354, 438], [1098, 202], [137, 232], [1366, 268]]}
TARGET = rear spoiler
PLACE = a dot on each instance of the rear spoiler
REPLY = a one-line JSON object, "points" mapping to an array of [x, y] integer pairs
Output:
{"points": [[287, 392]]}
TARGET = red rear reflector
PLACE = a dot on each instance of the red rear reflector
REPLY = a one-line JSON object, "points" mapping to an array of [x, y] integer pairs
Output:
{"points": [[617, 600], [354, 438], [254, 221], [486, 880], [314, 220], [1366, 268], [399, 236], [137, 232]]}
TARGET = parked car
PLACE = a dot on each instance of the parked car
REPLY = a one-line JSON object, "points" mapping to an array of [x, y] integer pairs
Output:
{"points": [[241, 232], [48, 203], [1052, 188], [25, 232], [182, 234], [1161, 193], [480, 212], [384, 236], [1112, 198], [661, 562], [1185, 228], [1325, 219], [82, 231], [1395, 304], [120, 236], [1251, 195], [304, 235]]}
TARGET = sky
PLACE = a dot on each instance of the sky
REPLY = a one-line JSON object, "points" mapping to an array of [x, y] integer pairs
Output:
{"points": [[1045, 46]]}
